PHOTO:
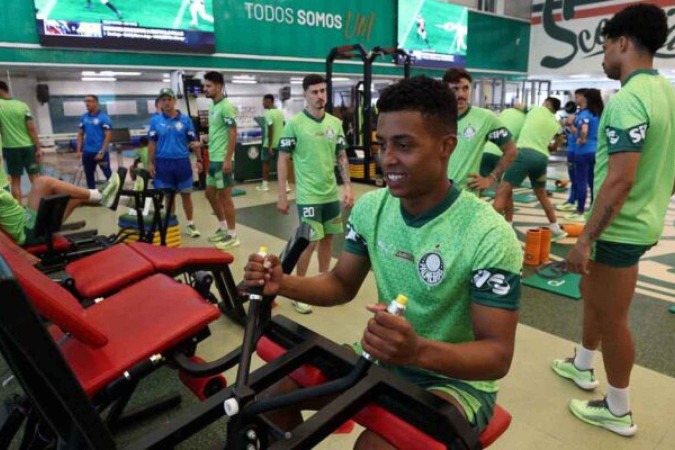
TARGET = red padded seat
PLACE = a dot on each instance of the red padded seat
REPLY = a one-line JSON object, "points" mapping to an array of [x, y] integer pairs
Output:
{"points": [[108, 270], [172, 260], [60, 244], [9, 243], [390, 427], [146, 318]]}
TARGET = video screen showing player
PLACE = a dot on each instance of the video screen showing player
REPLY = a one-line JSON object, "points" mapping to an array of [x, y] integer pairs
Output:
{"points": [[433, 26]]}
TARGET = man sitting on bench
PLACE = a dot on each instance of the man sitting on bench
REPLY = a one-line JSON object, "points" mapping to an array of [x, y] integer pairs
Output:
{"points": [[19, 222], [449, 252]]}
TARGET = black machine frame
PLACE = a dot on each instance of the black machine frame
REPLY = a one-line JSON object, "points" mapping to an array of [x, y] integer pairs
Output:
{"points": [[367, 58]]}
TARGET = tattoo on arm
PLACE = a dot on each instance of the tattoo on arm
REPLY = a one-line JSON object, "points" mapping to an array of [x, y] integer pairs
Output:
{"points": [[343, 166], [599, 227]]}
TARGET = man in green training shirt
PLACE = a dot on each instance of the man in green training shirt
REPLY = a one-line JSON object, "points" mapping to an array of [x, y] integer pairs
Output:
{"points": [[274, 126], [539, 129], [635, 170], [316, 142], [475, 127], [219, 175], [20, 142], [19, 222], [449, 252], [513, 119]]}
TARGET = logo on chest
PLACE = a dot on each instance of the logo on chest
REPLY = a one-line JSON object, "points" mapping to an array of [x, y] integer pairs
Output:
{"points": [[469, 132], [431, 268]]}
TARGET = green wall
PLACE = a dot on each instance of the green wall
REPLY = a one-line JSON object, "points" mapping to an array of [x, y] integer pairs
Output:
{"points": [[239, 33]]}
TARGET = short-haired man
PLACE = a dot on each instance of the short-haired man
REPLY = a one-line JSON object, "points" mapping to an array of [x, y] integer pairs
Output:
{"points": [[219, 176], [20, 143], [635, 171], [274, 126], [476, 126], [170, 137], [449, 252], [93, 138], [540, 128], [316, 141]]}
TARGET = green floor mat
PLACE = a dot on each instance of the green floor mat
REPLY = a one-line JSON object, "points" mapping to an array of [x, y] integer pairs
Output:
{"points": [[524, 198], [566, 285], [237, 191]]}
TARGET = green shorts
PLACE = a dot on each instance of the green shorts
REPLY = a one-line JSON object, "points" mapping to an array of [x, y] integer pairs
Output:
{"points": [[488, 163], [529, 164], [325, 218], [216, 177], [615, 254], [265, 155], [20, 159], [29, 227], [478, 406]]}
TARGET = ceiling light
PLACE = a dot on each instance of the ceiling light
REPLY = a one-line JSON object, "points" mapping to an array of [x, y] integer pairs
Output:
{"points": [[580, 76], [296, 81], [243, 81], [166, 80], [110, 73], [340, 79], [98, 79]]}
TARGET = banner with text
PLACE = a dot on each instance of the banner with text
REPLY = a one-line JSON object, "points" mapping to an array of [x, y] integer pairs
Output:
{"points": [[566, 37], [303, 28]]}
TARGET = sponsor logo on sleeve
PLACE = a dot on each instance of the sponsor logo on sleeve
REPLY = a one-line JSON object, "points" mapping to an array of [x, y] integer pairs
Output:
{"points": [[496, 283]]}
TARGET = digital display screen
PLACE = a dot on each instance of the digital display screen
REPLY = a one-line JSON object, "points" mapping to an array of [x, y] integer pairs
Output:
{"points": [[434, 32], [184, 26]]}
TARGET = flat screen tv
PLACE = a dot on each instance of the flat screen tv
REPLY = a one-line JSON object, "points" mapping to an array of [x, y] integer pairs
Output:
{"points": [[184, 26], [434, 32]]}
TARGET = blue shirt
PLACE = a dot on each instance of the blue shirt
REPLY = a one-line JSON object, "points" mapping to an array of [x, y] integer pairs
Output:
{"points": [[586, 117], [94, 127], [172, 135]]}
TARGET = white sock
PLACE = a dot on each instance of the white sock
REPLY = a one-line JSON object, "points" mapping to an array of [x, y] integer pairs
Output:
{"points": [[555, 227], [232, 233], [191, 223], [584, 358], [618, 400], [264, 183], [223, 225], [95, 196]]}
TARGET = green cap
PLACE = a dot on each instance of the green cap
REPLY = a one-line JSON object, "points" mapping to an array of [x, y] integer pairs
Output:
{"points": [[166, 92]]}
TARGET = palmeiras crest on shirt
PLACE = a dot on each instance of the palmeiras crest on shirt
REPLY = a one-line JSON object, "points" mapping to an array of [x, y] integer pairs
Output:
{"points": [[431, 268], [469, 132]]}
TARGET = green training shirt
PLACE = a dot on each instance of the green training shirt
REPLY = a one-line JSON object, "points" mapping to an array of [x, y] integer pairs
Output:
{"points": [[513, 120], [538, 130], [275, 119], [474, 128], [12, 217], [4, 181], [222, 117], [639, 118], [13, 117], [314, 145], [459, 253]]}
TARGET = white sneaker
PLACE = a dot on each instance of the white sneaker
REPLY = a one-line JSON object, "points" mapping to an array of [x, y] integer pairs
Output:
{"points": [[288, 189], [262, 187], [302, 308]]}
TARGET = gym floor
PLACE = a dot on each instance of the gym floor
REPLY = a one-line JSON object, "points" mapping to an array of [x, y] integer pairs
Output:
{"points": [[550, 327]]}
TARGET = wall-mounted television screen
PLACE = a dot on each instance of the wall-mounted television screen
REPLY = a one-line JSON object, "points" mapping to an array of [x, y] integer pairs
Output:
{"points": [[433, 32], [152, 25]]}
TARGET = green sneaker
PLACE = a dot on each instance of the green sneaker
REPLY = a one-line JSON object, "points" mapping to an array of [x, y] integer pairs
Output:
{"points": [[596, 412], [565, 368], [576, 218], [228, 242], [302, 308], [565, 207], [192, 231], [109, 190], [218, 236], [558, 235]]}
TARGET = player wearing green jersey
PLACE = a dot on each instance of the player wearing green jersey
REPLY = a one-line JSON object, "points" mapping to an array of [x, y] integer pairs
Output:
{"points": [[20, 143], [446, 250], [635, 171], [274, 122], [219, 175], [475, 127], [19, 222], [316, 142], [513, 119], [540, 128]]}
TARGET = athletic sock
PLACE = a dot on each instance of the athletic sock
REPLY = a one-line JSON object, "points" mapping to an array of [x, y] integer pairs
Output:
{"points": [[584, 358], [191, 223], [264, 183], [223, 225], [232, 233], [95, 196], [618, 400], [555, 227]]}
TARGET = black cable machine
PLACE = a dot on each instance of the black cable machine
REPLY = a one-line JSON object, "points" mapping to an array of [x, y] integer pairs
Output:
{"points": [[358, 52]]}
